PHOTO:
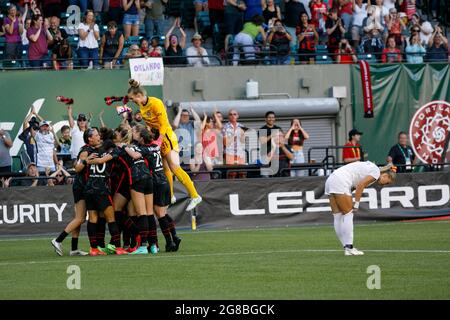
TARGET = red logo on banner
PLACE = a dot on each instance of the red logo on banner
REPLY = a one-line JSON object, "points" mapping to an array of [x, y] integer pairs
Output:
{"points": [[367, 88], [430, 132]]}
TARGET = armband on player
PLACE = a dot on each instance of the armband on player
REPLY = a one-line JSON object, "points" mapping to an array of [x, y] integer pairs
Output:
{"points": [[356, 205]]}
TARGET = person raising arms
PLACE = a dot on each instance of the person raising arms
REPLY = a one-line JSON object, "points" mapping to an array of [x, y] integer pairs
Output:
{"points": [[155, 116]]}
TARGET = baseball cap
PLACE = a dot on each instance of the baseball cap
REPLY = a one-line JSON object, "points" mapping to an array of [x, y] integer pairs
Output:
{"points": [[43, 123], [81, 117], [354, 132], [196, 36]]}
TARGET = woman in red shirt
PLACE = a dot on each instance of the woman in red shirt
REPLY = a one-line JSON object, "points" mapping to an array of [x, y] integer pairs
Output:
{"points": [[391, 54], [345, 53], [307, 39]]}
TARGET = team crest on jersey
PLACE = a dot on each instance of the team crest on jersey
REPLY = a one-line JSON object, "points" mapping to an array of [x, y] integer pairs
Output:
{"points": [[148, 113], [430, 132]]}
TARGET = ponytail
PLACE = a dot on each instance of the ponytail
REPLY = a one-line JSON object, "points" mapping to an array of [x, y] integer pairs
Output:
{"points": [[135, 87]]}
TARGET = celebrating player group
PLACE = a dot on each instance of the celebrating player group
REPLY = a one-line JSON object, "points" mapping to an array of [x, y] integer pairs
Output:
{"points": [[123, 179]]}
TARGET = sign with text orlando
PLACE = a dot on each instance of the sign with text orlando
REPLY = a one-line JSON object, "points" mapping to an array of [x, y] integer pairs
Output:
{"points": [[148, 71]]}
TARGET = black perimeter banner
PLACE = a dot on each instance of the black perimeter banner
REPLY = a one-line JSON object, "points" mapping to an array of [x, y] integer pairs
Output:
{"points": [[245, 203]]}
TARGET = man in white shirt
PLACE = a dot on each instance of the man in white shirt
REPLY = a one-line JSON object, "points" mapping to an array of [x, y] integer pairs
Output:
{"points": [[76, 131], [196, 54], [45, 144]]}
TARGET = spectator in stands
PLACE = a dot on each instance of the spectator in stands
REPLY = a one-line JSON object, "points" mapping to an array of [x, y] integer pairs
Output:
{"points": [[199, 6], [409, 7], [292, 11], [268, 131], [31, 122], [51, 8], [32, 172], [174, 48], [34, 9], [155, 49], [111, 46], [57, 34], [254, 7], [45, 143], [359, 14], [62, 56], [295, 138], [379, 13], [131, 17], [345, 53], [391, 54], [216, 11], [13, 26], [189, 131], [39, 37], [335, 30], [280, 39], [234, 18], [401, 154], [197, 56], [133, 52], [26, 26], [426, 31], [246, 39], [154, 17], [83, 4], [271, 12], [5, 144], [307, 38], [64, 141], [345, 12], [234, 143], [438, 47], [370, 23], [77, 131], [61, 177], [372, 45], [354, 153], [115, 11], [319, 14], [89, 34], [415, 51], [283, 152], [143, 46], [211, 135], [395, 26], [200, 162]]}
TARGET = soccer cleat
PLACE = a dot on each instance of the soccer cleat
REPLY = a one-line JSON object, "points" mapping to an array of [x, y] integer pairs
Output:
{"points": [[96, 252], [171, 247], [353, 252], [154, 249], [173, 200], [78, 253], [121, 251], [110, 248], [193, 203], [140, 250], [131, 249], [102, 250], [58, 247], [177, 242]]}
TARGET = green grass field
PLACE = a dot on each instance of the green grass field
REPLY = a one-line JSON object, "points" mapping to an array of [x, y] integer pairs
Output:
{"points": [[278, 263]]}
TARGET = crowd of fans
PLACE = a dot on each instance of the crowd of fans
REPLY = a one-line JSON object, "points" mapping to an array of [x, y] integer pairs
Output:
{"points": [[242, 32], [206, 146]]}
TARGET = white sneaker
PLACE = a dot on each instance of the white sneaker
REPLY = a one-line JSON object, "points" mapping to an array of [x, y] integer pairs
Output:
{"points": [[173, 200], [193, 203], [58, 247], [353, 252], [78, 253]]}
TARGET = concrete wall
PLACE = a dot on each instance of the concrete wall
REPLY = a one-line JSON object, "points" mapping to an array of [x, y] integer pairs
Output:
{"points": [[229, 83]]}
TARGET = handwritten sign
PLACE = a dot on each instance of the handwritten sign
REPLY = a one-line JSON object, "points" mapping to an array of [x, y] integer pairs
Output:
{"points": [[148, 71]]}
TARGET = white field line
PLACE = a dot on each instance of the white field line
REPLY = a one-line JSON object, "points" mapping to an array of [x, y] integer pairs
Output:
{"points": [[175, 256], [373, 224]]}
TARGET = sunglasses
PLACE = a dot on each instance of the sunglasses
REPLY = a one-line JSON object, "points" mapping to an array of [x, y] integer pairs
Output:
{"points": [[82, 120], [232, 114]]}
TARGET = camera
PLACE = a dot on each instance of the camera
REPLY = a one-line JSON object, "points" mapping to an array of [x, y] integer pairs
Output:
{"points": [[34, 124]]}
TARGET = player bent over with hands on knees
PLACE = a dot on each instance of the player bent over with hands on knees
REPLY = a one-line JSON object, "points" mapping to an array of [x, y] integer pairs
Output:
{"points": [[339, 185]]}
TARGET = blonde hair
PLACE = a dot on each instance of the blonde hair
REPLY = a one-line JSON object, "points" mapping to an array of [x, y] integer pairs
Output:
{"points": [[125, 133], [135, 87], [390, 170]]}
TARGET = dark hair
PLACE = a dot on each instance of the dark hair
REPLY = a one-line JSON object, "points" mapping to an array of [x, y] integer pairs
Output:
{"points": [[88, 133], [68, 50], [142, 40], [258, 19], [185, 110], [108, 144], [64, 128], [112, 24], [106, 133], [402, 132], [35, 18], [268, 113], [86, 13]]}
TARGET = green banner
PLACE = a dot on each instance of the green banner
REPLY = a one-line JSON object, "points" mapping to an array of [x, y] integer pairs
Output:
{"points": [[22, 89], [398, 91]]}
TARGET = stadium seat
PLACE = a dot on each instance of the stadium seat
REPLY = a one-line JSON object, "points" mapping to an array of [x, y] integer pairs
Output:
{"points": [[322, 56], [133, 40]]}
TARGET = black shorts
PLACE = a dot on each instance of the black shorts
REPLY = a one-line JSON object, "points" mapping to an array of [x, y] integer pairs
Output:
{"points": [[124, 190], [98, 202], [161, 195], [78, 194], [144, 186]]}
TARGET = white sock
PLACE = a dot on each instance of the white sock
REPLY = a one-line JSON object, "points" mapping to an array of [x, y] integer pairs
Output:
{"points": [[338, 226], [347, 228]]}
